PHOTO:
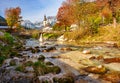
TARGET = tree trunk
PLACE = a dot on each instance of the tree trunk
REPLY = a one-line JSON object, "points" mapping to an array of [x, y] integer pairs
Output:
{"points": [[114, 22]]}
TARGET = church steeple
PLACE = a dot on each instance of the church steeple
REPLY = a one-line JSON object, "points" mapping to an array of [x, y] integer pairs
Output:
{"points": [[45, 19], [45, 22]]}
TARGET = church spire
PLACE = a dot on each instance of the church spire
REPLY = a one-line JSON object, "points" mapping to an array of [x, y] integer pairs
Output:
{"points": [[45, 19]]}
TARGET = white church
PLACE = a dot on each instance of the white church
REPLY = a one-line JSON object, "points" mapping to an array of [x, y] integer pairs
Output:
{"points": [[46, 25]]}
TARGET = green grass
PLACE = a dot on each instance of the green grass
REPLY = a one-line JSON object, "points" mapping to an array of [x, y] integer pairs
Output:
{"points": [[20, 68], [2, 58]]}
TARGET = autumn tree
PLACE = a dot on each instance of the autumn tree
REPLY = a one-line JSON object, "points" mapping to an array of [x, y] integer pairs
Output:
{"points": [[113, 6], [13, 16], [66, 13]]}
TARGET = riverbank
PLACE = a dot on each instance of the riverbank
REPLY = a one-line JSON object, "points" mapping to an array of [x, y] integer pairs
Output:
{"points": [[53, 62]]}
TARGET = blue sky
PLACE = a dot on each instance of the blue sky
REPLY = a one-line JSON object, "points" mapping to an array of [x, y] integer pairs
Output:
{"points": [[32, 10]]}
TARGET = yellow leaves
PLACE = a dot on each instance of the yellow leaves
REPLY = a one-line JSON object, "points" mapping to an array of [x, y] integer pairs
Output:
{"points": [[12, 16], [106, 12]]}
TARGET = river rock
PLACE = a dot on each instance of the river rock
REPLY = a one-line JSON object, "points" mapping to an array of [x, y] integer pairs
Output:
{"points": [[49, 49], [7, 61], [114, 77], [81, 81], [35, 50], [92, 58], [37, 47], [29, 69], [86, 52], [28, 63], [111, 44], [43, 79], [113, 66], [13, 54], [66, 49], [112, 60], [1, 33], [61, 38], [11, 76], [97, 58], [21, 80], [54, 69], [48, 63], [28, 49], [16, 60], [41, 58], [65, 78], [12, 62], [96, 69], [43, 46]]}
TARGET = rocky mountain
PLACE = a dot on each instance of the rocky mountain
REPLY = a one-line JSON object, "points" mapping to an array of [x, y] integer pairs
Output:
{"points": [[28, 24]]}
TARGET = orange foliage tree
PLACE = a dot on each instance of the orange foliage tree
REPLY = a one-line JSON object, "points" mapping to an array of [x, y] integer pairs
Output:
{"points": [[13, 16], [112, 5], [66, 13]]}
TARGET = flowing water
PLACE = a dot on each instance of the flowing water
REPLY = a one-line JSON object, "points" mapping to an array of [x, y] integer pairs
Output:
{"points": [[64, 67], [70, 65]]}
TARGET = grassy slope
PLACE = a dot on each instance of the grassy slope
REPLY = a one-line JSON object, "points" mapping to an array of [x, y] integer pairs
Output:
{"points": [[105, 33]]}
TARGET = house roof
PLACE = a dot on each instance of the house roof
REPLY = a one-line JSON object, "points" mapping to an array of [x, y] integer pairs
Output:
{"points": [[3, 21]]}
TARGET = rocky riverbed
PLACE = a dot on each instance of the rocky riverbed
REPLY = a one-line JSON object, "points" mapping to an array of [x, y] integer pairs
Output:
{"points": [[52, 62]]}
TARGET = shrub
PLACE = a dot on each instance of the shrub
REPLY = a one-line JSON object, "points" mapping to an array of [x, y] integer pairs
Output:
{"points": [[40, 68], [2, 58], [51, 35], [35, 34], [8, 38], [77, 34], [5, 50]]}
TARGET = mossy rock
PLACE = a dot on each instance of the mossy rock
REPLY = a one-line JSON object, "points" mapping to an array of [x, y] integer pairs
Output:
{"points": [[49, 63], [19, 55], [14, 53], [35, 50], [41, 58], [63, 80], [28, 49], [37, 47], [29, 63], [12, 63], [45, 81], [54, 69], [43, 46]]}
